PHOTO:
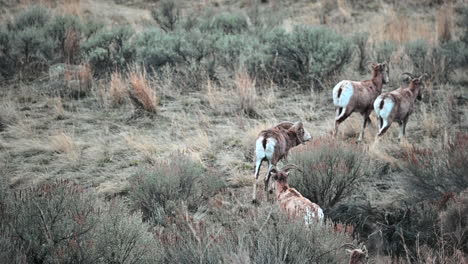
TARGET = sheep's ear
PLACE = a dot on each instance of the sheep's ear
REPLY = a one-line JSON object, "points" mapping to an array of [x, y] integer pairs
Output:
{"points": [[298, 125], [349, 251]]}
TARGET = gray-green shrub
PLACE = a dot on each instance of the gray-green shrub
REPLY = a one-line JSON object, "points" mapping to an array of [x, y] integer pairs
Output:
{"points": [[384, 51], [51, 223], [429, 173], [158, 192], [167, 15], [330, 172], [228, 23], [264, 235], [361, 41], [108, 50], [306, 55]]}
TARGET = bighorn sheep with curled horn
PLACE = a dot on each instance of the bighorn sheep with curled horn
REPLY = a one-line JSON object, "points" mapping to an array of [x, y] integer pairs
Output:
{"points": [[291, 201], [274, 144], [353, 96], [357, 255], [398, 105]]}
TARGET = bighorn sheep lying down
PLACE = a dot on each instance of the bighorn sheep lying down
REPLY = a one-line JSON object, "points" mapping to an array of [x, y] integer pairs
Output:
{"points": [[352, 96], [274, 144], [291, 201], [357, 255], [398, 105]]}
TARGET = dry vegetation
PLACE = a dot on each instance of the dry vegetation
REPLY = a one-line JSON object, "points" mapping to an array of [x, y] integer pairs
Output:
{"points": [[140, 141]]}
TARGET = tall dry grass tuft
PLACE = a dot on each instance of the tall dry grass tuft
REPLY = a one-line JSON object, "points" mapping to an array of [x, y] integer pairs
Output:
{"points": [[118, 89], [64, 144], [141, 94], [247, 93], [71, 45], [85, 76], [399, 28], [445, 24]]}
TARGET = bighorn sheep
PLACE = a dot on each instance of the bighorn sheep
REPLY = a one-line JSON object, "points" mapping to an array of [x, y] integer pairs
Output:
{"points": [[398, 105], [357, 255], [291, 201], [274, 144], [352, 96]]}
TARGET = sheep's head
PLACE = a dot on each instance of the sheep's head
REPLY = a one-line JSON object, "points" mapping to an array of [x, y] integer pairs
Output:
{"points": [[416, 82], [301, 134], [281, 176], [384, 71], [357, 255]]}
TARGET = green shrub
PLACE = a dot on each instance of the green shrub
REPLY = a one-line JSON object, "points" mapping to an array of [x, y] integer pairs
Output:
{"points": [[108, 50], [235, 50], [454, 222], [159, 191], [330, 172], [65, 30], [228, 23], [34, 16], [51, 223], [121, 237], [384, 51], [306, 55], [429, 173], [267, 236], [360, 40], [63, 223], [418, 51], [167, 16], [463, 23]]}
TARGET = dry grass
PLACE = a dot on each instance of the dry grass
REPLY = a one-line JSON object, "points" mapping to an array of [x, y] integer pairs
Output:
{"points": [[142, 95], [57, 106], [85, 76], [71, 45], [399, 28], [64, 144], [445, 23], [144, 145], [117, 89], [245, 87]]}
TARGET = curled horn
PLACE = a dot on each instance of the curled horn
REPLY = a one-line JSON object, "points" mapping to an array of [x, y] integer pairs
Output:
{"points": [[424, 75], [289, 167], [409, 74], [348, 246]]}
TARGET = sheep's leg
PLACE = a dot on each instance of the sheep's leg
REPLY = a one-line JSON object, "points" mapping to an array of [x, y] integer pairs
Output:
{"points": [[402, 129], [258, 164], [267, 178], [335, 131], [364, 124]]}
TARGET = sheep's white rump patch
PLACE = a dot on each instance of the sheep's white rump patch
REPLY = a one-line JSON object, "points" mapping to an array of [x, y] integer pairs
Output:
{"points": [[266, 152], [386, 110], [347, 91]]}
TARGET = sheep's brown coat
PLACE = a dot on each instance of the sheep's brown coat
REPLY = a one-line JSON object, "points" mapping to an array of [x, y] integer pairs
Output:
{"points": [[274, 144], [291, 201], [398, 105], [353, 96]]}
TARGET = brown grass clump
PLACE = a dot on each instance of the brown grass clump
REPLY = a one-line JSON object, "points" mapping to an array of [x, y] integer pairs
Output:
{"points": [[143, 97], [118, 89], [245, 87], [71, 45], [64, 144], [85, 76], [445, 25]]}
